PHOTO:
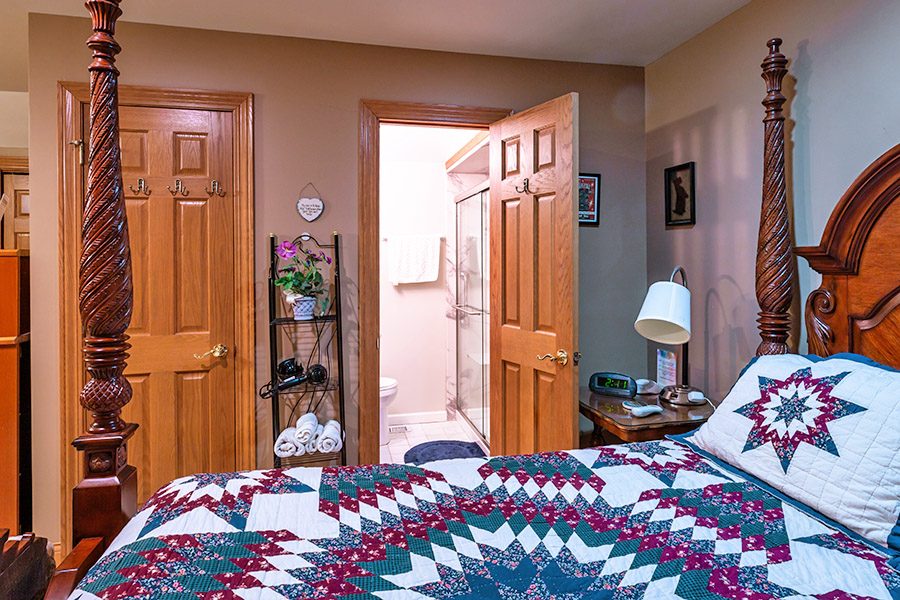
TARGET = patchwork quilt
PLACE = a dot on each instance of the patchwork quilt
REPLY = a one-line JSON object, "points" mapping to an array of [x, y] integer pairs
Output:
{"points": [[648, 520]]}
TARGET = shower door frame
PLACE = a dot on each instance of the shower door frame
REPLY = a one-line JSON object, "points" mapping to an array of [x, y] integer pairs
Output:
{"points": [[372, 113], [478, 190]]}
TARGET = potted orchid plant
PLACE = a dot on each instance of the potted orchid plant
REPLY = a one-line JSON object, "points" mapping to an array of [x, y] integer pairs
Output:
{"points": [[301, 281]]}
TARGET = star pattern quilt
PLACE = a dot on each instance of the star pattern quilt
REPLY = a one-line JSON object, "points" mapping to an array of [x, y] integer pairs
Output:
{"points": [[648, 520]]}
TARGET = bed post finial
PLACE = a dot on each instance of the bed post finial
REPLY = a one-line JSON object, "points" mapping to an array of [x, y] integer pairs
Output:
{"points": [[774, 261], [104, 501]]}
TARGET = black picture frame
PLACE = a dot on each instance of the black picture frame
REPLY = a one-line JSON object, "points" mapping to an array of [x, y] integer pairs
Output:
{"points": [[681, 199], [589, 199]]}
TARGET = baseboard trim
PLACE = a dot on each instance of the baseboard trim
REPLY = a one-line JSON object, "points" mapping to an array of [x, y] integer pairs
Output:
{"points": [[437, 416]]}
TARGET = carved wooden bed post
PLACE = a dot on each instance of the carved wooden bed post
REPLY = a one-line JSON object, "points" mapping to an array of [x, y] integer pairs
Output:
{"points": [[774, 263], [106, 498]]}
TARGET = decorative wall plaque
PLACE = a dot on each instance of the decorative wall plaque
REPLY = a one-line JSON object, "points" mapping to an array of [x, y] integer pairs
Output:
{"points": [[310, 205]]}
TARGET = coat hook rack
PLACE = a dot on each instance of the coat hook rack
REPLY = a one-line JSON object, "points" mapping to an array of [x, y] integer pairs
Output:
{"points": [[524, 190], [216, 189], [142, 187], [179, 188]]}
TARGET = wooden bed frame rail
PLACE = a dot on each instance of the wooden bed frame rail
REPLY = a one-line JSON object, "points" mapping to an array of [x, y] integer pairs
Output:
{"points": [[74, 568]]}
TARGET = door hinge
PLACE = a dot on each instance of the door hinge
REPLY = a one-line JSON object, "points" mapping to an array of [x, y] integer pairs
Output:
{"points": [[80, 145]]}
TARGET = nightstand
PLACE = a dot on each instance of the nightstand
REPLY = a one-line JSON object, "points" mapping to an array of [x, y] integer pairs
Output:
{"points": [[607, 413]]}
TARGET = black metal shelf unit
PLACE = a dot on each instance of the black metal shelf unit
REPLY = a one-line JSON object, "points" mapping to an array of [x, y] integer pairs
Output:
{"points": [[290, 401]]}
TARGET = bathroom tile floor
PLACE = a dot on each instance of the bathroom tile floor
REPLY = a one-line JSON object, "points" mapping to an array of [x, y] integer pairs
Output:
{"points": [[417, 433]]}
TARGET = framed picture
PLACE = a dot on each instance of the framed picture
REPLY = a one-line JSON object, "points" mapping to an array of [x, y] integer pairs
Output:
{"points": [[680, 200], [588, 199]]}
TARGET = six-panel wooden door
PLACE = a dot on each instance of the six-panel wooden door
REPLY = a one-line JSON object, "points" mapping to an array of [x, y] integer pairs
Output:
{"points": [[534, 284], [181, 228], [16, 219]]}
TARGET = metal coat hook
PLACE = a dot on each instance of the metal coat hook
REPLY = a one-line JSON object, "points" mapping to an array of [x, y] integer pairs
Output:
{"points": [[179, 188], [525, 190], [142, 187], [216, 189]]}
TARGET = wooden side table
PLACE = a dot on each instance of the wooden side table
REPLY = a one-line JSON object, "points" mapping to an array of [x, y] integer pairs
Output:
{"points": [[608, 413]]}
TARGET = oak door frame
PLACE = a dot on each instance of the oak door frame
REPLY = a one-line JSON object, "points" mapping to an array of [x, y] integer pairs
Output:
{"points": [[73, 101], [372, 113], [15, 165]]}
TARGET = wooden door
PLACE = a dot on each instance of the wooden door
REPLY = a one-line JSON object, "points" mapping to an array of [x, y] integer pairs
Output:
{"points": [[183, 263], [15, 222], [534, 285]]}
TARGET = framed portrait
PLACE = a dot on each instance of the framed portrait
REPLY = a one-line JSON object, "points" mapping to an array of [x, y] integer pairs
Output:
{"points": [[680, 200], [588, 199]]}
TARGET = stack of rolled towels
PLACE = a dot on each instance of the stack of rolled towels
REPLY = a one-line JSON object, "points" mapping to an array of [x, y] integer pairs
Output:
{"points": [[308, 436]]}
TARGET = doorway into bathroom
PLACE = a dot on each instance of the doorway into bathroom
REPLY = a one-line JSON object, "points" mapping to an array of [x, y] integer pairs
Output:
{"points": [[433, 324]]}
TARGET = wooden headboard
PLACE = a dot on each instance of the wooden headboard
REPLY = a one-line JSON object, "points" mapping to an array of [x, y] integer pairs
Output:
{"points": [[858, 257], [853, 310]]}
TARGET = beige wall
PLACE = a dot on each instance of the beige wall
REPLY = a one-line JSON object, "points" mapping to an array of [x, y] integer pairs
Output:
{"points": [[13, 119], [307, 95], [703, 104]]}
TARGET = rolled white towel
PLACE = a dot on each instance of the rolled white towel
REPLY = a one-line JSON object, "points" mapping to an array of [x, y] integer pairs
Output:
{"points": [[306, 427], [287, 445], [311, 444], [331, 439]]}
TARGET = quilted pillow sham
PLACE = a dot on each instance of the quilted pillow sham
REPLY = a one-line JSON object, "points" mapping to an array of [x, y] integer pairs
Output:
{"points": [[824, 431]]}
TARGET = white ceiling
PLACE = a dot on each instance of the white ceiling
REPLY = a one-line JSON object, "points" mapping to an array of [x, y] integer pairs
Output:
{"points": [[628, 32]]}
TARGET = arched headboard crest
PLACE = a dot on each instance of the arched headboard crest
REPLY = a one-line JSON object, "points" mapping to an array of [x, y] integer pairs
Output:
{"points": [[853, 310]]}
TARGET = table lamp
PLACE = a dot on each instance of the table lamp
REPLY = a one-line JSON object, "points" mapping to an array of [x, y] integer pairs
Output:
{"points": [[665, 317]]}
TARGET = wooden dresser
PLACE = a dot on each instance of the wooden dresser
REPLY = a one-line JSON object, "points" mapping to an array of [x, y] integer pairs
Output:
{"points": [[15, 393]]}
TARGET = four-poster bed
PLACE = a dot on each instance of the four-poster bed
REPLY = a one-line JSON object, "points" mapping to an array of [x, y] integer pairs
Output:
{"points": [[371, 530]]}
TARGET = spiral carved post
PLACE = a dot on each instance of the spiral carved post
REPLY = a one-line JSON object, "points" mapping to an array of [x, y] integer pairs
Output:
{"points": [[104, 501], [774, 262]]}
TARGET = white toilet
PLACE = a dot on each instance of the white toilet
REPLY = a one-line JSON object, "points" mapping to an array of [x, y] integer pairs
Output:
{"points": [[387, 393]]}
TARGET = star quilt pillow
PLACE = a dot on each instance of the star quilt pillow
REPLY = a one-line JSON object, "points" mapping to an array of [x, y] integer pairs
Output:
{"points": [[825, 432]]}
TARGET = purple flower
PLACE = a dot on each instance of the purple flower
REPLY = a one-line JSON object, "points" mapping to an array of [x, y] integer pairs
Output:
{"points": [[286, 250]]}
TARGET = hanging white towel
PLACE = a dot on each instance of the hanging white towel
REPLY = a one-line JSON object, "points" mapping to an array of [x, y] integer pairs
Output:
{"points": [[306, 427], [414, 258], [287, 445], [331, 439], [314, 440]]}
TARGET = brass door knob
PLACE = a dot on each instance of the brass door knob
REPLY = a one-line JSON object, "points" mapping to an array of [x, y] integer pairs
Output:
{"points": [[562, 357], [219, 351]]}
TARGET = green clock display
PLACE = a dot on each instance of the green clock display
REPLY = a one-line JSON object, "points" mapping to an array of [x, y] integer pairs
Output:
{"points": [[613, 384]]}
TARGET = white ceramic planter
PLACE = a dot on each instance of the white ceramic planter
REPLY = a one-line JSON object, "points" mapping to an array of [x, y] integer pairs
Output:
{"points": [[304, 307]]}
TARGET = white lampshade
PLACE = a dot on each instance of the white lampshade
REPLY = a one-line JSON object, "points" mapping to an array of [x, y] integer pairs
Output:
{"points": [[665, 316]]}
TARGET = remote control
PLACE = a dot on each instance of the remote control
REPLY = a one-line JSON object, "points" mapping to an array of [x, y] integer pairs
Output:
{"points": [[632, 404], [646, 411]]}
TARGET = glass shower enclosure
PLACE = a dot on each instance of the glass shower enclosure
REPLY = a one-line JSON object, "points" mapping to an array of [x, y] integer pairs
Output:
{"points": [[472, 308]]}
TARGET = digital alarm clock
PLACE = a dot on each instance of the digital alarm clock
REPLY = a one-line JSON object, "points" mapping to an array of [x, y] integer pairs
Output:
{"points": [[613, 384]]}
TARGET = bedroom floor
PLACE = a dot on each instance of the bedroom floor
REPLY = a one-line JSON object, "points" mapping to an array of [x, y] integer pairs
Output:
{"points": [[417, 433]]}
